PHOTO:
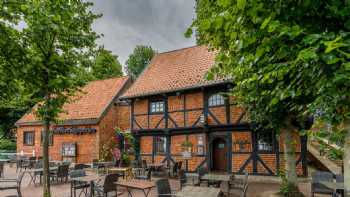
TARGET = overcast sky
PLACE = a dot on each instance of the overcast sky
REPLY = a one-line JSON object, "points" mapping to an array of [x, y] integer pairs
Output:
{"points": [[158, 23]]}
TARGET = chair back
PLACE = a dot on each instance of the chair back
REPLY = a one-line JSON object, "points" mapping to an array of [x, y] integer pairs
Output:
{"points": [[339, 178], [63, 170], [179, 165], [163, 187], [77, 173], [319, 176], [144, 163], [175, 167], [202, 171], [182, 177], [109, 184], [245, 180], [149, 174]]}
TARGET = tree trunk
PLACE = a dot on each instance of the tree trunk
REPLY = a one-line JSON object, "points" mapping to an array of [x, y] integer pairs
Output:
{"points": [[289, 155], [46, 173], [346, 158]]}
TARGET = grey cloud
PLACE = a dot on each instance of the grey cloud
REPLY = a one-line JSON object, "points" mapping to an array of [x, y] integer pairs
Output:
{"points": [[159, 23]]}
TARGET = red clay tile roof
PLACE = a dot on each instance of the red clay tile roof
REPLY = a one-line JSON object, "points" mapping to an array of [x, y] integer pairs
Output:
{"points": [[174, 70], [91, 102]]}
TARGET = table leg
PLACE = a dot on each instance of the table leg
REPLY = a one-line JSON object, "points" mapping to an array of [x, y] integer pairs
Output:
{"points": [[129, 192], [91, 188], [146, 193]]}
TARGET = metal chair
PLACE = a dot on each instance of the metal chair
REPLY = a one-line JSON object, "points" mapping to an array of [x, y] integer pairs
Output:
{"points": [[339, 178], [1, 169], [78, 185], [201, 172], [163, 188], [317, 187], [12, 184], [38, 165], [146, 176], [61, 173], [108, 185]]}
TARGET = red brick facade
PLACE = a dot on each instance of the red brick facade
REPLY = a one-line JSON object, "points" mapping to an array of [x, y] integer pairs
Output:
{"points": [[89, 145]]}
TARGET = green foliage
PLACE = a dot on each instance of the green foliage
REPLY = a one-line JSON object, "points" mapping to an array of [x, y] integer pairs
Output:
{"points": [[125, 159], [285, 57], [7, 144], [106, 65], [50, 55], [139, 59]]}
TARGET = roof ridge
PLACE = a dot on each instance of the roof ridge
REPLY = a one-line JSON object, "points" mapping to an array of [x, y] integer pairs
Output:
{"points": [[180, 49], [116, 77]]}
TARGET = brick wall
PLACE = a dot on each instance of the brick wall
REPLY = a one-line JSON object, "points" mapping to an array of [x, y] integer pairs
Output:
{"points": [[85, 152]]}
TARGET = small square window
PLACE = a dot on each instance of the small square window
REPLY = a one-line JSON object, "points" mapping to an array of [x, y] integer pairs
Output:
{"points": [[216, 100], [265, 141], [29, 138], [157, 107]]}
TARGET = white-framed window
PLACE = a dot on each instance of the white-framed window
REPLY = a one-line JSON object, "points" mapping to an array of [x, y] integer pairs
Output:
{"points": [[216, 100], [157, 107], [69, 149], [265, 141], [160, 145]]}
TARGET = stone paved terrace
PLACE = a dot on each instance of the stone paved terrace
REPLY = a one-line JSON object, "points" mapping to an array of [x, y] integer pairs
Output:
{"points": [[258, 187]]}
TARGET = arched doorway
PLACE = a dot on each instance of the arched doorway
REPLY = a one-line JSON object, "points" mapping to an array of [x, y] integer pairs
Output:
{"points": [[219, 155]]}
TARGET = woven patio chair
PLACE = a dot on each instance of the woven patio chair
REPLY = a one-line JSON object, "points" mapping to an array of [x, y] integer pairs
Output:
{"points": [[317, 187]]}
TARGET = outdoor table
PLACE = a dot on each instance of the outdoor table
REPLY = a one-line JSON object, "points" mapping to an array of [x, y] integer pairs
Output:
{"points": [[144, 186], [191, 191], [90, 179], [216, 177], [126, 171], [31, 172], [334, 185]]}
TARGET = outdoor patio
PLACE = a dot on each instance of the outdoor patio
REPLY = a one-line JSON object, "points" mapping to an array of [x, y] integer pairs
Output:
{"points": [[258, 187]]}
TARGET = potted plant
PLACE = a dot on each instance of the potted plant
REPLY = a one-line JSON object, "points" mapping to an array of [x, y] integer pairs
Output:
{"points": [[187, 148]]}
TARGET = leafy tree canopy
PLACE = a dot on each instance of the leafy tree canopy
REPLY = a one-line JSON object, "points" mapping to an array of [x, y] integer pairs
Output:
{"points": [[139, 59], [106, 65], [285, 57]]}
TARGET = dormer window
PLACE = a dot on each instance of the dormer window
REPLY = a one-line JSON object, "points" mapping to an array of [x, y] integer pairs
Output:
{"points": [[216, 100], [157, 106]]}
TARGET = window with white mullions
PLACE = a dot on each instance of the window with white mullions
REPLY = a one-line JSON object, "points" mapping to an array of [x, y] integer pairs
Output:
{"points": [[216, 100], [157, 106], [265, 141]]}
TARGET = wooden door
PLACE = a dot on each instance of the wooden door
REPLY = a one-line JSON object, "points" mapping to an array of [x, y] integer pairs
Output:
{"points": [[219, 155]]}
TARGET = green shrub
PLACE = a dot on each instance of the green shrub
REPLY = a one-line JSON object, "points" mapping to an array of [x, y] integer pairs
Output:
{"points": [[7, 144]]}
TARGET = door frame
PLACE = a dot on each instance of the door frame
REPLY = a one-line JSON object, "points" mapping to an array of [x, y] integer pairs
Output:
{"points": [[227, 137]]}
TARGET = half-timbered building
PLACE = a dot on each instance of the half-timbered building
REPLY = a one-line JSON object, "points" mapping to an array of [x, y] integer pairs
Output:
{"points": [[177, 115]]}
